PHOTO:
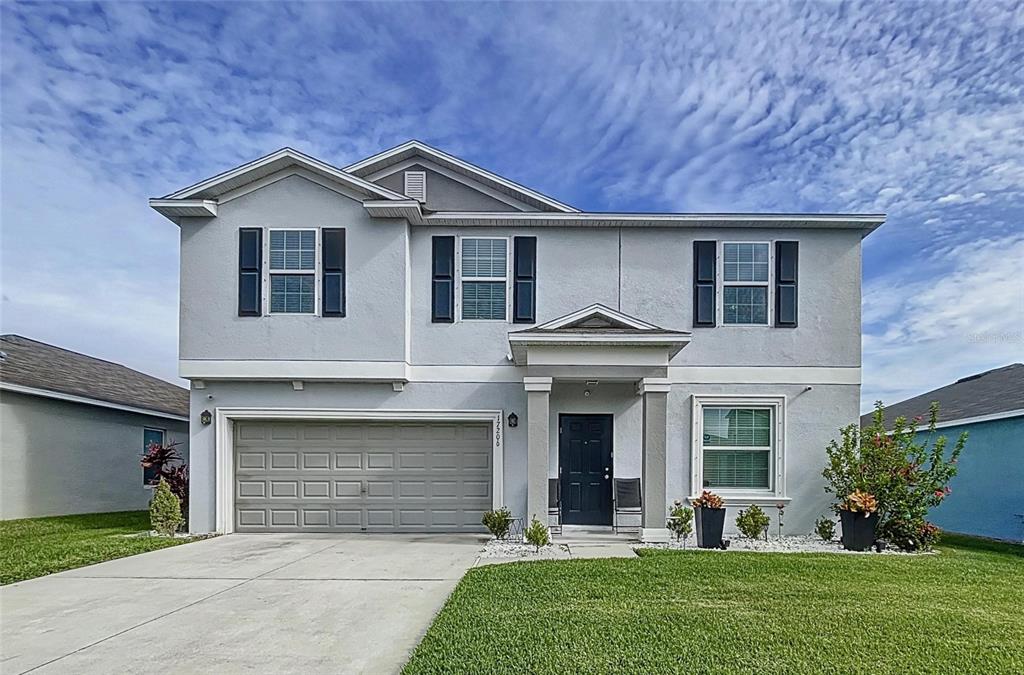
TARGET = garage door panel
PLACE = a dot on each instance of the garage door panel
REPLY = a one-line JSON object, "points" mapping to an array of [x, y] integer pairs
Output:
{"points": [[351, 476]]}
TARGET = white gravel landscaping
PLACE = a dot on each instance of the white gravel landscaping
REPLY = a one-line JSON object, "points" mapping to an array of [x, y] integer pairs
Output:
{"points": [[496, 548], [786, 544]]}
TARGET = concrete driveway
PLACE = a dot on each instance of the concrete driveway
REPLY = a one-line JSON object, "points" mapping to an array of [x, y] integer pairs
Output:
{"points": [[241, 603]]}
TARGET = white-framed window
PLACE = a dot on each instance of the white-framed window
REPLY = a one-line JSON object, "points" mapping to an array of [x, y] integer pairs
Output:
{"points": [[150, 477], [738, 447], [292, 261], [746, 270], [483, 273]]}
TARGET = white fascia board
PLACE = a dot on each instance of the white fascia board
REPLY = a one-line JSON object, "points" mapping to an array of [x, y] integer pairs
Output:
{"points": [[472, 169], [410, 209], [366, 371], [1006, 414], [599, 310], [539, 219], [583, 338], [174, 209], [71, 398], [299, 158]]}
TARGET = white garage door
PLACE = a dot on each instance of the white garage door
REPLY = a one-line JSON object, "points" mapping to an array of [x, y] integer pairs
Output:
{"points": [[356, 476]]}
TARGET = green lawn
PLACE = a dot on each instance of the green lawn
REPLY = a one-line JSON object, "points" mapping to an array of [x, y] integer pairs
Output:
{"points": [[691, 612], [36, 546]]}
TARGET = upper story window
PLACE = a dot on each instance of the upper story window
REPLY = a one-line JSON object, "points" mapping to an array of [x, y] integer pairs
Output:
{"points": [[292, 267], [484, 278], [745, 283]]}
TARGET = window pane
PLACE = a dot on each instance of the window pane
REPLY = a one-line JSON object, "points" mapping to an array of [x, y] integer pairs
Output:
{"points": [[483, 300], [291, 293], [292, 249], [150, 474], [745, 262], [737, 427], [736, 469], [745, 304], [484, 258]]}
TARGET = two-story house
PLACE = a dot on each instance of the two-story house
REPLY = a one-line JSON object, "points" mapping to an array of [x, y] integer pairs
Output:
{"points": [[403, 343]]}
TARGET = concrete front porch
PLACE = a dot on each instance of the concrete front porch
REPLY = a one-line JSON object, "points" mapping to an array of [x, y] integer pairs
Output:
{"points": [[597, 403]]}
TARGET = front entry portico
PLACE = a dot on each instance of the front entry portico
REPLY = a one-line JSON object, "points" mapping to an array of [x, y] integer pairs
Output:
{"points": [[598, 346]]}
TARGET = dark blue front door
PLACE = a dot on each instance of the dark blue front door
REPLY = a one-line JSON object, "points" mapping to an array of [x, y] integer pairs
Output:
{"points": [[585, 468]]}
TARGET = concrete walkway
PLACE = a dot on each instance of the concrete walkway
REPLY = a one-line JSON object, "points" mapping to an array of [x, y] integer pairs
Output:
{"points": [[240, 603]]}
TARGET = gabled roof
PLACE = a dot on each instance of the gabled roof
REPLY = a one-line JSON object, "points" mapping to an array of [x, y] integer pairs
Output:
{"points": [[597, 325], [32, 367], [990, 395], [198, 199], [414, 148]]}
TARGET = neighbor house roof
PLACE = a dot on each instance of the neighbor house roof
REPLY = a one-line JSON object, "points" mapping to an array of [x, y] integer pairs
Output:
{"points": [[993, 394], [32, 367]]}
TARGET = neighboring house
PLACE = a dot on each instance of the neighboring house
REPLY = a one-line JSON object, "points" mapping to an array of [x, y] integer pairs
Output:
{"points": [[73, 429], [988, 490], [404, 343]]}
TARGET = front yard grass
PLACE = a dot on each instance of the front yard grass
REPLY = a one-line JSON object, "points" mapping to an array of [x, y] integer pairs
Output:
{"points": [[705, 611], [33, 547]]}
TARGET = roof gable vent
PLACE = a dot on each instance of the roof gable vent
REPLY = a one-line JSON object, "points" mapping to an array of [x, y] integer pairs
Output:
{"points": [[416, 185]]}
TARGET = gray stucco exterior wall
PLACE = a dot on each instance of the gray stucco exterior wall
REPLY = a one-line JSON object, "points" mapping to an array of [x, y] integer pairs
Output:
{"points": [[446, 194], [62, 458]]}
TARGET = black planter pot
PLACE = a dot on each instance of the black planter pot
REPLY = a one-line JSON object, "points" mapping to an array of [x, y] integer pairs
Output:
{"points": [[710, 523], [858, 530]]}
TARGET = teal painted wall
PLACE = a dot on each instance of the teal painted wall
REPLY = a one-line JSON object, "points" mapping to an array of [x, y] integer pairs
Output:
{"points": [[988, 490]]}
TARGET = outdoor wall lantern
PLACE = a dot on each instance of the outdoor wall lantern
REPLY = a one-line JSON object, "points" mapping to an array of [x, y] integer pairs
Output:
{"points": [[205, 417], [513, 420]]}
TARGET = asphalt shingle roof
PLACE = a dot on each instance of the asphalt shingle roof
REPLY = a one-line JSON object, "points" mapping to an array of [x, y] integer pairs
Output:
{"points": [[988, 393], [30, 363]]}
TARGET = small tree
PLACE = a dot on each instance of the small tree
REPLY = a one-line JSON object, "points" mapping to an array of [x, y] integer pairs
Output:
{"points": [[906, 477], [680, 521], [753, 522], [164, 510], [537, 534], [498, 522]]}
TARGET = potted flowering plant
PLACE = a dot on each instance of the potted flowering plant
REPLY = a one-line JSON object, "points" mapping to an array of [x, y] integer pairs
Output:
{"points": [[710, 519], [858, 512]]}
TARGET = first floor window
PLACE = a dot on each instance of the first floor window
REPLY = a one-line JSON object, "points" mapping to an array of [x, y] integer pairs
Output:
{"points": [[484, 278], [745, 279], [737, 447], [292, 265], [150, 474]]}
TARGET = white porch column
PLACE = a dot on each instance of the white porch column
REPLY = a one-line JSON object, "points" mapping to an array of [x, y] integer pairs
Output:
{"points": [[538, 393], [654, 391]]}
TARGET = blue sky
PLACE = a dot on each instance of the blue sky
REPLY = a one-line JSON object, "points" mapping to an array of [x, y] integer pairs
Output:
{"points": [[916, 110]]}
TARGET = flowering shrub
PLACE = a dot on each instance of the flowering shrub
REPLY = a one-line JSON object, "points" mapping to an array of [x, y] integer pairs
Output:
{"points": [[906, 477], [169, 467], [707, 499], [753, 522], [680, 521]]}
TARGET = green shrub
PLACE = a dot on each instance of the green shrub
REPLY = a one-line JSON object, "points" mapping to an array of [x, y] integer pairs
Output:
{"points": [[906, 477], [680, 521], [753, 522], [498, 522], [537, 534], [826, 528], [164, 510]]}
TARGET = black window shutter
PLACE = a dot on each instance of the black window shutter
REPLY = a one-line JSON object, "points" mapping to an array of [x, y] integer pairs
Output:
{"points": [[786, 268], [524, 291], [250, 271], [332, 252], [704, 282], [442, 292]]}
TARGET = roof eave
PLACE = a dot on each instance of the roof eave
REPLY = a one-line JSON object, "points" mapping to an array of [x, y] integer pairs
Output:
{"points": [[863, 222], [176, 209]]}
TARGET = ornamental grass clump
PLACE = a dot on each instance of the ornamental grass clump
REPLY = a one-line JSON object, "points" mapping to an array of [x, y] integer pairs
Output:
{"points": [[753, 522], [680, 521], [903, 476]]}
